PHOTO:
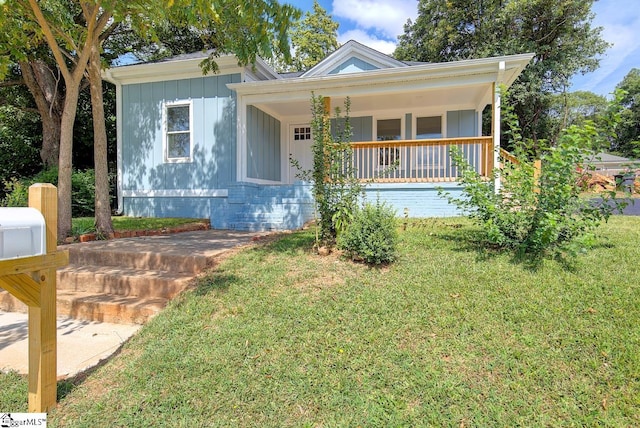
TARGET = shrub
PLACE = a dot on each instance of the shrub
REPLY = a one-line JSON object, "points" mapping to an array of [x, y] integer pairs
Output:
{"points": [[82, 190], [538, 216], [16, 193], [83, 193], [372, 234]]}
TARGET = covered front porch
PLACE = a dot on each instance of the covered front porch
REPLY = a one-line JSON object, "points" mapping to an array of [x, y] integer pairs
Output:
{"points": [[405, 121]]}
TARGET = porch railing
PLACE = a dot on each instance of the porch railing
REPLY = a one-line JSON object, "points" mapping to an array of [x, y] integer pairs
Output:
{"points": [[419, 160]]}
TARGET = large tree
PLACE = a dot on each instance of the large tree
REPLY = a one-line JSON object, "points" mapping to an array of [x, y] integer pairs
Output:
{"points": [[559, 32], [628, 138], [573, 108], [76, 30], [313, 37], [19, 130], [31, 65]]}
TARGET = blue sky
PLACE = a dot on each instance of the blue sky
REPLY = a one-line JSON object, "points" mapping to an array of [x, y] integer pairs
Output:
{"points": [[377, 23]]}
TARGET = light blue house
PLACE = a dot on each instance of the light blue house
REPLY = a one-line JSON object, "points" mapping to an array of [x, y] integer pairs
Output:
{"points": [[218, 146]]}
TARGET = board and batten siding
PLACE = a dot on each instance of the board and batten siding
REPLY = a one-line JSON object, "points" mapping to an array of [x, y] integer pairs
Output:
{"points": [[213, 165], [361, 128], [353, 65], [263, 145], [462, 123]]}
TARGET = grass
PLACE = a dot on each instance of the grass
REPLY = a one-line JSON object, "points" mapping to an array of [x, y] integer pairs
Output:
{"points": [[450, 335], [83, 225]]}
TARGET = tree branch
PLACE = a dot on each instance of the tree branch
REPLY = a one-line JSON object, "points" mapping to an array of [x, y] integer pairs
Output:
{"points": [[51, 40], [103, 21], [9, 83], [109, 31]]}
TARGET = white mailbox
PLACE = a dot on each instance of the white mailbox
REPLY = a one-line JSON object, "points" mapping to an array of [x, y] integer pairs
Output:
{"points": [[22, 233]]}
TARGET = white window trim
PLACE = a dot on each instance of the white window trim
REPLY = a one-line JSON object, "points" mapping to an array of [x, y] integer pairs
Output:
{"points": [[165, 142], [414, 125], [387, 117]]}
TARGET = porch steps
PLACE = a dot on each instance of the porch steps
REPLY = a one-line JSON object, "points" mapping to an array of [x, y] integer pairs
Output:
{"points": [[117, 285]]}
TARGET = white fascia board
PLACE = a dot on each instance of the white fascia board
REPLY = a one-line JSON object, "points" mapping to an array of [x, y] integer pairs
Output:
{"points": [[265, 69], [168, 70], [456, 73]]}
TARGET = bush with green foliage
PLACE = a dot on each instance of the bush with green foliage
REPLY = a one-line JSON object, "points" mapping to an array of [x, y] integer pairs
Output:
{"points": [[538, 215], [372, 234], [82, 190]]}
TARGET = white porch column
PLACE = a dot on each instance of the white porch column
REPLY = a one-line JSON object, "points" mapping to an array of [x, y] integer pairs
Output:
{"points": [[497, 99], [241, 139]]}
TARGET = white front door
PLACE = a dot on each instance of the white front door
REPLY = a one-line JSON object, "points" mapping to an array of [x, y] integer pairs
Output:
{"points": [[300, 142]]}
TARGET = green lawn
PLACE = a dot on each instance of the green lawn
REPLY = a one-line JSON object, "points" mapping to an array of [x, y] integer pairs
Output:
{"points": [[450, 335], [82, 225]]}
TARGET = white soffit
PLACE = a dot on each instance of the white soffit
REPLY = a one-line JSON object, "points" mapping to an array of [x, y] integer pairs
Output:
{"points": [[447, 74]]}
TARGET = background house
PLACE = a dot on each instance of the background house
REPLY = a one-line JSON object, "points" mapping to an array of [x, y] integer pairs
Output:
{"points": [[610, 165], [218, 146]]}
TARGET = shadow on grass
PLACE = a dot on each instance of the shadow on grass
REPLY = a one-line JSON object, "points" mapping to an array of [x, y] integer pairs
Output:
{"points": [[289, 243], [215, 282], [467, 239], [68, 385]]}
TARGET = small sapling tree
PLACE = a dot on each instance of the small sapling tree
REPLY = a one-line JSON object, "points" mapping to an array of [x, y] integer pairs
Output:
{"points": [[335, 185]]}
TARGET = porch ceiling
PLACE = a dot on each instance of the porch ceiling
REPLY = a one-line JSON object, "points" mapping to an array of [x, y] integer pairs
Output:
{"points": [[470, 96], [463, 84]]}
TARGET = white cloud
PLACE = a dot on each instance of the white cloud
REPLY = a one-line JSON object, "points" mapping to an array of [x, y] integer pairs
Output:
{"points": [[370, 40], [620, 26], [385, 16]]}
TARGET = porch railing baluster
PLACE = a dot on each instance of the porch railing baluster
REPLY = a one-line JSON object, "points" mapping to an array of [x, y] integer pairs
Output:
{"points": [[418, 160]]}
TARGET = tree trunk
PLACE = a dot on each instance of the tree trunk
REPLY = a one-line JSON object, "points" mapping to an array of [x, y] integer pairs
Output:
{"points": [[66, 158], [44, 87], [102, 205], [72, 80]]}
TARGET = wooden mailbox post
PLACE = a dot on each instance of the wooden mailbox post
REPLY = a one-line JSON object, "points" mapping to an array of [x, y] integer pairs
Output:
{"points": [[33, 281]]}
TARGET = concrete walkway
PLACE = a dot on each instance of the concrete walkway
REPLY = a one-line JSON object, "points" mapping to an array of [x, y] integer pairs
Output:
{"points": [[81, 343]]}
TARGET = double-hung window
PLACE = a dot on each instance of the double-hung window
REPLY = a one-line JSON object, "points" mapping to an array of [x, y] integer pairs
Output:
{"points": [[178, 132]]}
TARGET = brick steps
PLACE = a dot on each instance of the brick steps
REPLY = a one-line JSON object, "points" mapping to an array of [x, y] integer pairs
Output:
{"points": [[121, 281], [137, 260], [111, 308], [98, 307]]}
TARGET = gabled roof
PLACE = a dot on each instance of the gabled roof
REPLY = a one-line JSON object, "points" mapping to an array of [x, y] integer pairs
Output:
{"points": [[349, 50], [608, 158]]}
